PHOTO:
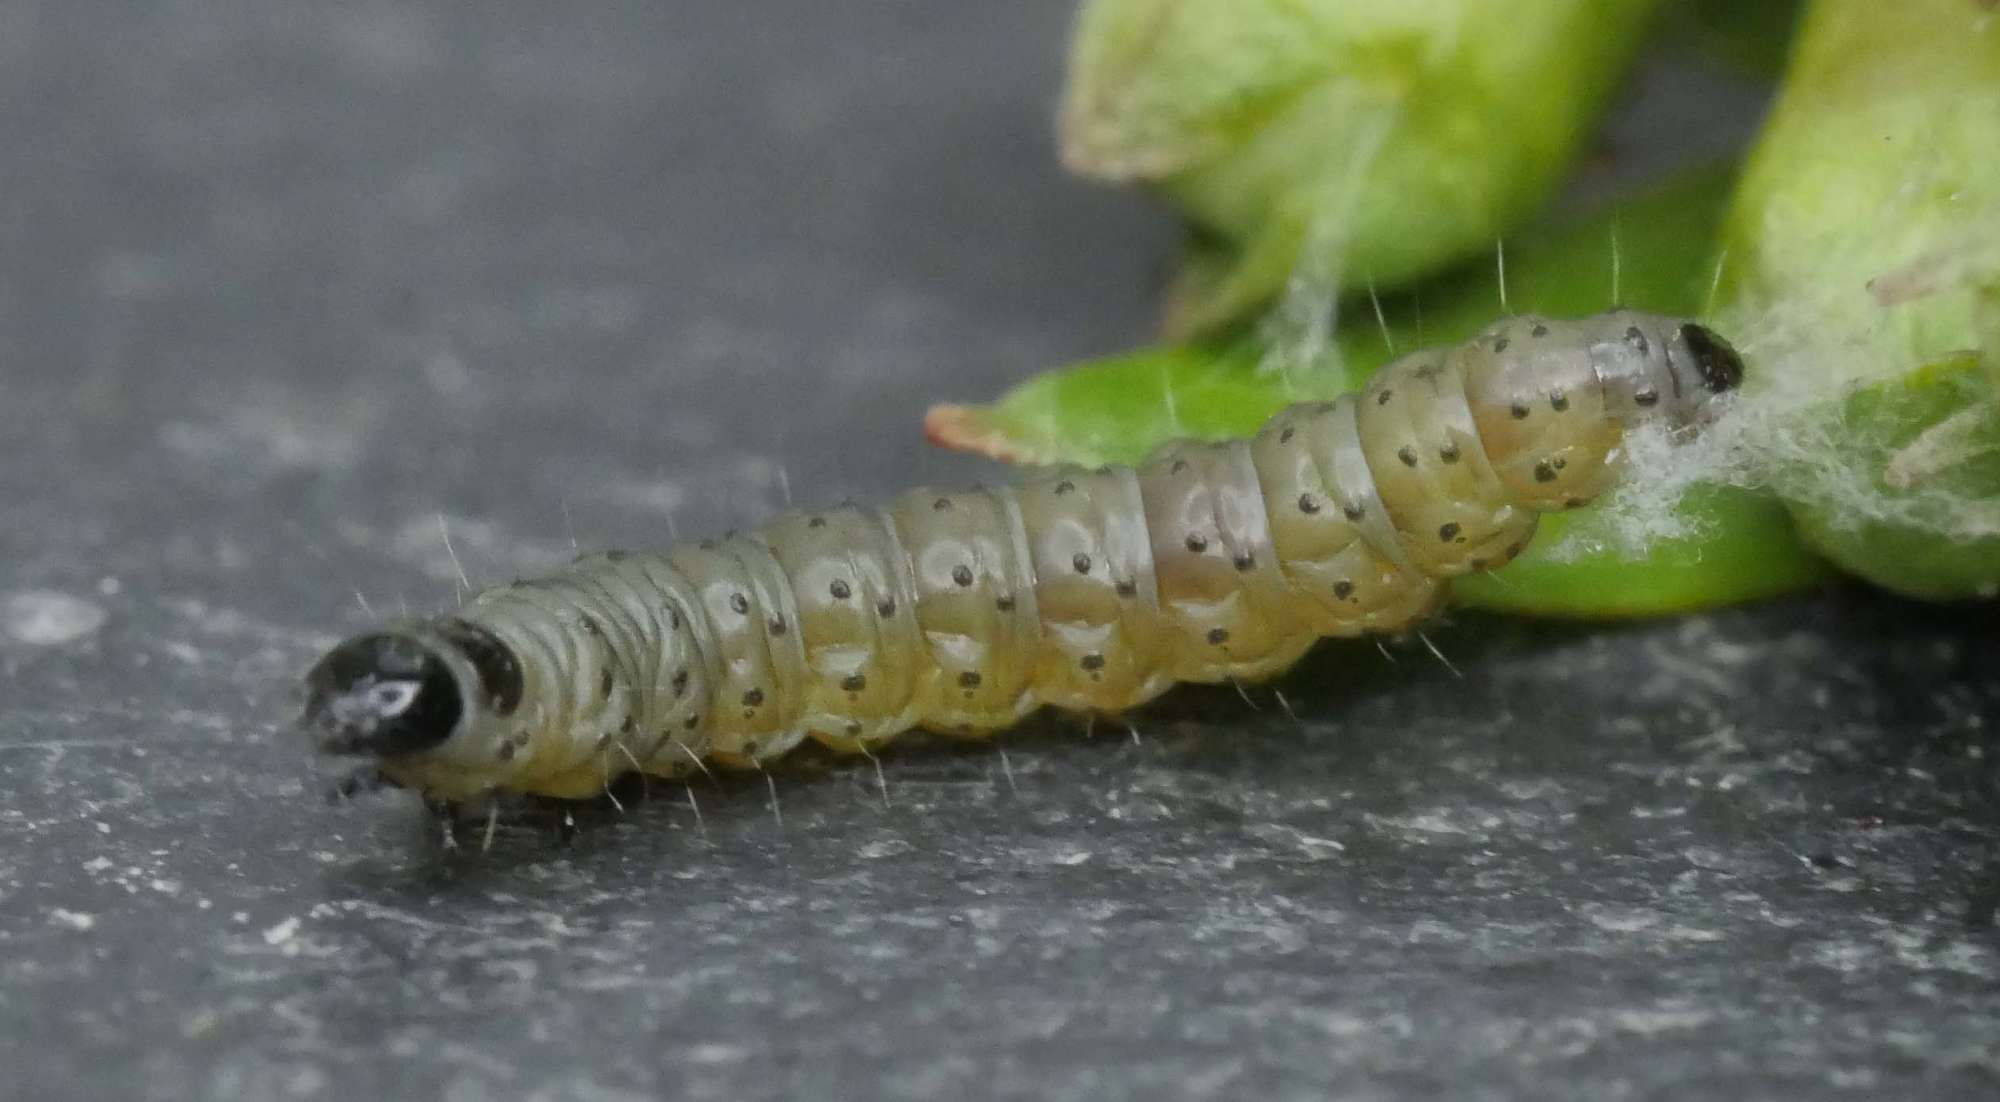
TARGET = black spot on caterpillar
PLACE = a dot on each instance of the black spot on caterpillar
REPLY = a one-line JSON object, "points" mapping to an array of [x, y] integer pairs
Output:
{"points": [[1090, 590]]}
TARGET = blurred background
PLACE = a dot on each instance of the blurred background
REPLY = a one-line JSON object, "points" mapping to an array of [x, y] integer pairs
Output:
{"points": [[380, 239], [290, 291]]}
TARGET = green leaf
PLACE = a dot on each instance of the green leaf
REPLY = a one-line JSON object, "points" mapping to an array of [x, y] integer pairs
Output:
{"points": [[1867, 238], [1929, 443], [1335, 141], [1119, 409], [1744, 548]]}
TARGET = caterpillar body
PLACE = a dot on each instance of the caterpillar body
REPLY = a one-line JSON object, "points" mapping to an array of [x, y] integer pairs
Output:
{"points": [[961, 611]]}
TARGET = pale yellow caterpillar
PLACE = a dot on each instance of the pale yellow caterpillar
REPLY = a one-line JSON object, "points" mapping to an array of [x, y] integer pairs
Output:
{"points": [[962, 611]]}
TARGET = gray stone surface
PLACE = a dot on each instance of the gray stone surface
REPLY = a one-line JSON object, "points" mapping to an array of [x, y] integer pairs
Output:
{"points": [[283, 284]]}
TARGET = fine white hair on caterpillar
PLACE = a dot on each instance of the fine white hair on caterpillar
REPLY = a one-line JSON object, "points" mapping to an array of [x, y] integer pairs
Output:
{"points": [[1092, 590]]}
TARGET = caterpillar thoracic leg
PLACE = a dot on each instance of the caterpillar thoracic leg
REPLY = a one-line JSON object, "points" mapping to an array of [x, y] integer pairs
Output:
{"points": [[961, 611]]}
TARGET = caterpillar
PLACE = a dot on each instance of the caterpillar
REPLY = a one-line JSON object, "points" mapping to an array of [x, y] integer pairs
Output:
{"points": [[1092, 590]]}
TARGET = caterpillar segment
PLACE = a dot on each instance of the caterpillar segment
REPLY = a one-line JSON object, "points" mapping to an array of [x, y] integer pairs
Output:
{"points": [[964, 610]]}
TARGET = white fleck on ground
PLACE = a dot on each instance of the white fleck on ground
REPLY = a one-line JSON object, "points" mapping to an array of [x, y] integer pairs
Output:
{"points": [[47, 618]]}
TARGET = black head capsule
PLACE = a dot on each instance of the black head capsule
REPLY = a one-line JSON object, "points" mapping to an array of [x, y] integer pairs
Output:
{"points": [[1720, 368], [1681, 378], [387, 695]]}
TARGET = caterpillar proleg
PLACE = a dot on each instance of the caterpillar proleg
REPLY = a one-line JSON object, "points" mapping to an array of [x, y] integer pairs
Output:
{"points": [[964, 610]]}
